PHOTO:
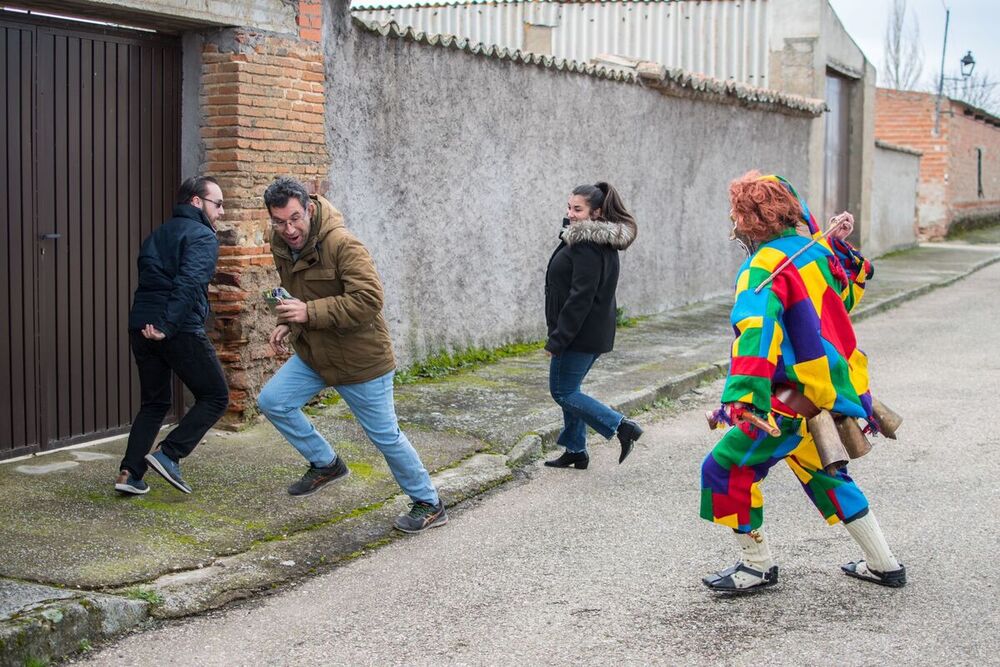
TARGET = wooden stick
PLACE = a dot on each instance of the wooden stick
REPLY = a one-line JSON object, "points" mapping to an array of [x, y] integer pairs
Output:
{"points": [[767, 281]]}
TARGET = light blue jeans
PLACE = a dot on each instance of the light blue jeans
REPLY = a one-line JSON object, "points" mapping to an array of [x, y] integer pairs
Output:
{"points": [[295, 383]]}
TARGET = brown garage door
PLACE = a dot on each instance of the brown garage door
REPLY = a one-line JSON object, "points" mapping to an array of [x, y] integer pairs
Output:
{"points": [[91, 134]]}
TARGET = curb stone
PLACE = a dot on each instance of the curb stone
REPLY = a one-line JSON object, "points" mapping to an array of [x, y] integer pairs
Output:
{"points": [[59, 628], [270, 564], [525, 451]]}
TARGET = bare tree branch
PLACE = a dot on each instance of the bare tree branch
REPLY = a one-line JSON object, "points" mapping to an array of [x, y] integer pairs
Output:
{"points": [[979, 90], [903, 60]]}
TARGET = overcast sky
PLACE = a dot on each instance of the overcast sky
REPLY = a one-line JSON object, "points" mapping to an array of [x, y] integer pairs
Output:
{"points": [[974, 26]]}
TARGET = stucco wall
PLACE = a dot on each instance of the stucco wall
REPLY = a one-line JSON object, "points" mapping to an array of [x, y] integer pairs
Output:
{"points": [[894, 201], [455, 168]]}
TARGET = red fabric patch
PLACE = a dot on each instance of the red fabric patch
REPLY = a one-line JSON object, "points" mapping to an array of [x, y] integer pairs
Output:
{"points": [[833, 499], [737, 500], [753, 366], [837, 269], [835, 324], [789, 286]]}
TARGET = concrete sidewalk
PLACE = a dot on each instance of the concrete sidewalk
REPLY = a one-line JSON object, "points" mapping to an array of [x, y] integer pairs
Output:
{"points": [[106, 563]]}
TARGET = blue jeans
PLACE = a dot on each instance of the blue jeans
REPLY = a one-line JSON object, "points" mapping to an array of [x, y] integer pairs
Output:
{"points": [[371, 402], [566, 373]]}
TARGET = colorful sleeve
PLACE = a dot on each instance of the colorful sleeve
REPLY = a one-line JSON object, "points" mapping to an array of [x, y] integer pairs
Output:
{"points": [[756, 320], [857, 271]]}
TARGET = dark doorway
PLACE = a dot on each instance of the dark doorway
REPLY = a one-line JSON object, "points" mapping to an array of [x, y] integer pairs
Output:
{"points": [[91, 139], [836, 175]]}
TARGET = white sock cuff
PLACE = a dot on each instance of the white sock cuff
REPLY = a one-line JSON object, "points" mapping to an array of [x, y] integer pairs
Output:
{"points": [[756, 552], [868, 534]]}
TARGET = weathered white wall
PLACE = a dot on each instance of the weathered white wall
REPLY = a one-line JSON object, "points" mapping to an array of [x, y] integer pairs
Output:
{"points": [[455, 168], [894, 201]]}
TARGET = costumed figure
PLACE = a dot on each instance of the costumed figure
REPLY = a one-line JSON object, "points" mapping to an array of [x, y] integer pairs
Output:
{"points": [[796, 382]]}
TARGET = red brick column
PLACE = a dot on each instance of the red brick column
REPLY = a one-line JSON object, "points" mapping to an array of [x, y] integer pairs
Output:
{"points": [[906, 118], [263, 102]]}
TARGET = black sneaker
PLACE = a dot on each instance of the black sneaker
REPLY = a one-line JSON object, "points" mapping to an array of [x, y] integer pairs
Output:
{"points": [[316, 478], [421, 517], [628, 433]]}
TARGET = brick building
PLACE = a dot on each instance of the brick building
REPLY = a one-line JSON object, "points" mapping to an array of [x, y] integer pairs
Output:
{"points": [[959, 166]]}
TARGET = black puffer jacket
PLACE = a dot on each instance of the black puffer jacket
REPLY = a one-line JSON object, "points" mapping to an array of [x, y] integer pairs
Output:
{"points": [[580, 286], [176, 263]]}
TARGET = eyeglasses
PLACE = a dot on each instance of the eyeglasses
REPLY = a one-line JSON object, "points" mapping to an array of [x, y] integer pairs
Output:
{"points": [[217, 203], [294, 220]]}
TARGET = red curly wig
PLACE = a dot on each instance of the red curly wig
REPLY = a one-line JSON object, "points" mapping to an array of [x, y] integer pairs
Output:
{"points": [[762, 209]]}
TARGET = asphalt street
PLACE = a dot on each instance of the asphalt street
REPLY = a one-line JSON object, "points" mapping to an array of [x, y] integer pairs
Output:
{"points": [[603, 566]]}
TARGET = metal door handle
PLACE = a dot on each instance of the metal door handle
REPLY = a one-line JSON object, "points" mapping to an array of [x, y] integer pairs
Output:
{"points": [[49, 237]]}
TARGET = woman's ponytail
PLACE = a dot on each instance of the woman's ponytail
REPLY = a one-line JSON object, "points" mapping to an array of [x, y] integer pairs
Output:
{"points": [[613, 208]]}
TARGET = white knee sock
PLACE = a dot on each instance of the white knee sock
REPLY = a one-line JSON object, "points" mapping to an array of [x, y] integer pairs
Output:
{"points": [[867, 533], [756, 553]]}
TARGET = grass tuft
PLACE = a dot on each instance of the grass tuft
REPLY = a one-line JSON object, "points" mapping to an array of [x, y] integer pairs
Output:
{"points": [[446, 363]]}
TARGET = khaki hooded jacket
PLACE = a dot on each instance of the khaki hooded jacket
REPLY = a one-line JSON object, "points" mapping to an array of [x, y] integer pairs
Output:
{"points": [[345, 340]]}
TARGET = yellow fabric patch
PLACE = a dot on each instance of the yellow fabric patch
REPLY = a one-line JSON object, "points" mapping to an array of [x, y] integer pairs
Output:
{"points": [[742, 282], [806, 458], [800, 472], [775, 350], [818, 386], [815, 285], [756, 497], [767, 259], [858, 364], [729, 520], [755, 322]]}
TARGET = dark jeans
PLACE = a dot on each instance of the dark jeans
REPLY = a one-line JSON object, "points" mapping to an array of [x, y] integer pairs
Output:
{"points": [[566, 373], [192, 357]]}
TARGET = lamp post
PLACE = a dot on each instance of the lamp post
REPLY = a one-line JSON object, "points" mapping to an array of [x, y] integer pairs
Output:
{"points": [[968, 64]]}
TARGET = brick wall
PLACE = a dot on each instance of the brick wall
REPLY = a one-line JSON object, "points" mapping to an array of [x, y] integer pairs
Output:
{"points": [[968, 134], [907, 119], [947, 187], [262, 102]]}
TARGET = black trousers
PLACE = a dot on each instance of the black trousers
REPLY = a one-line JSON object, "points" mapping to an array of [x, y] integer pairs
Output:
{"points": [[192, 357]]}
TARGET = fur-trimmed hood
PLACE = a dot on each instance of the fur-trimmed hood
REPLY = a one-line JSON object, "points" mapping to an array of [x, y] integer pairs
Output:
{"points": [[618, 235]]}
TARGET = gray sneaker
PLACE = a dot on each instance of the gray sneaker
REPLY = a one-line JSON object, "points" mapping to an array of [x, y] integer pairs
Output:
{"points": [[318, 477], [421, 517]]}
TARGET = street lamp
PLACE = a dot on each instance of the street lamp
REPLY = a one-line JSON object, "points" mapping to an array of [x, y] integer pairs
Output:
{"points": [[968, 64]]}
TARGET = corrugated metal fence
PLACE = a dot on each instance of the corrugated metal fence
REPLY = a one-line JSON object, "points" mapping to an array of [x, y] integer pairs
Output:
{"points": [[725, 39]]}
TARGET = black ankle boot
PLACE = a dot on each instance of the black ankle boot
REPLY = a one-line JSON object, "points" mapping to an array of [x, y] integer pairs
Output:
{"points": [[579, 460], [628, 433]]}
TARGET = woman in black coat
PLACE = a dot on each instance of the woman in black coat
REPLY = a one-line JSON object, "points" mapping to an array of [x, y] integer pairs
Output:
{"points": [[580, 312]]}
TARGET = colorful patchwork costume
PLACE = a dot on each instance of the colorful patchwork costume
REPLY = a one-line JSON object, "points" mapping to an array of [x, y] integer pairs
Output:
{"points": [[796, 331], [794, 344]]}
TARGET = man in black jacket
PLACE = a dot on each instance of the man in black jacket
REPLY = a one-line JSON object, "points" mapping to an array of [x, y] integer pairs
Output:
{"points": [[167, 333]]}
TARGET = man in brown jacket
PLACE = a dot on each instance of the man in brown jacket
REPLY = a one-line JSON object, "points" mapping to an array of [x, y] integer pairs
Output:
{"points": [[334, 323]]}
